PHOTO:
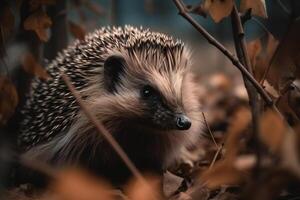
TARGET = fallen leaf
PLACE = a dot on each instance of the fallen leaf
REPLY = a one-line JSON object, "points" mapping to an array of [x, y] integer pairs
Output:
{"points": [[31, 66], [8, 99], [38, 22], [238, 124], [218, 9], [73, 184], [258, 7], [150, 190], [222, 173], [272, 130], [77, 31]]}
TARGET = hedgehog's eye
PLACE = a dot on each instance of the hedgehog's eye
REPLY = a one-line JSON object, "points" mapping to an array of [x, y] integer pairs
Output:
{"points": [[147, 91]]}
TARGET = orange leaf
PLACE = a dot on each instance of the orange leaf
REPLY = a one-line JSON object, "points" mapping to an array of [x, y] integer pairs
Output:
{"points": [[258, 7], [137, 190], [272, 130], [254, 48], [218, 9], [238, 124], [31, 66], [223, 173], [38, 22], [77, 185], [77, 31], [8, 99]]}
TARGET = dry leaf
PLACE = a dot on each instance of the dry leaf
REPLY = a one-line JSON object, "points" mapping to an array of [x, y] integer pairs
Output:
{"points": [[31, 66], [77, 185], [258, 7], [137, 190], [285, 66], [38, 22], [77, 31], [218, 9], [272, 130], [8, 99], [238, 124], [254, 49], [223, 173]]}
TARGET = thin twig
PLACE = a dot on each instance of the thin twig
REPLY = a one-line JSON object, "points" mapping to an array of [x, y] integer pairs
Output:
{"points": [[101, 129], [241, 49], [182, 11], [216, 156], [209, 130]]}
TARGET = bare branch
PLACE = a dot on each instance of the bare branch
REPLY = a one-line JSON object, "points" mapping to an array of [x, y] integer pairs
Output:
{"points": [[182, 11]]}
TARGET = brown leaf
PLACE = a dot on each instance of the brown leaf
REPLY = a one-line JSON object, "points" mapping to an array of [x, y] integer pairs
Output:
{"points": [[77, 185], [272, 130], [137, 190], [218, 9], [223, 173], [77, 31], [38, 22], [258, 7], [285, 64], [238, 124], [254, 49], [8, 99], [31, 66]]}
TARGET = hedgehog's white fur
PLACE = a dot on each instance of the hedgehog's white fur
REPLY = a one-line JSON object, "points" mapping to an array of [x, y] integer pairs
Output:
{"points": [[52, 121]]}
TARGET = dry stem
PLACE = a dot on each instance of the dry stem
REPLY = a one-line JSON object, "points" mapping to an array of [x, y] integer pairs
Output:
{"points": [[182, 11], [101, 129]]}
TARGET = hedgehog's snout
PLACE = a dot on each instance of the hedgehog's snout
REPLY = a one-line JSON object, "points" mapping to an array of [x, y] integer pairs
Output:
{"points": [[183, 122]]}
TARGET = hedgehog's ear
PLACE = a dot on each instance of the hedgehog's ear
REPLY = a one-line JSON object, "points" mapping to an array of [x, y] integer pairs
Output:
{"points": [[113, 69]]}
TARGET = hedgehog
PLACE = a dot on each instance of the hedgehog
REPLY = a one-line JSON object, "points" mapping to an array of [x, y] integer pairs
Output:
{"points": [[136, 82]]}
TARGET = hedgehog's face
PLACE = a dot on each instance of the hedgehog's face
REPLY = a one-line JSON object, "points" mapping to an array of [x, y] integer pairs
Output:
{"points": [[155, 91]]}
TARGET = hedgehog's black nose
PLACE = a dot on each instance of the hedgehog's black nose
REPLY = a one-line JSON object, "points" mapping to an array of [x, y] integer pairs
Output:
{"points": [[183, 122]]}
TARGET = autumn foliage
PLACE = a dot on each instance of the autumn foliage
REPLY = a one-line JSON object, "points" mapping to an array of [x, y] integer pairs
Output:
{"points": [[250, 148]]}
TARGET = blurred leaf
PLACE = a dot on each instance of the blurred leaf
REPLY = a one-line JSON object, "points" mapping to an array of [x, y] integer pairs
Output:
{"points": [[95, 8], [8, 99], [258, 7], [239, 122], [77, 185], [31, 66], [77, 31], [137, 190], [218, 9], [272, 130], [38, 22], [223, 173]]}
